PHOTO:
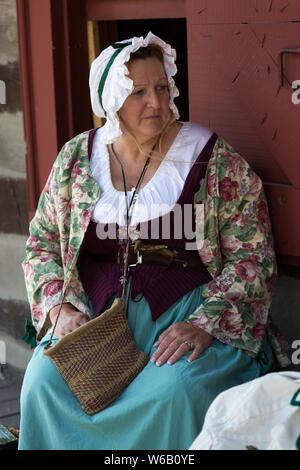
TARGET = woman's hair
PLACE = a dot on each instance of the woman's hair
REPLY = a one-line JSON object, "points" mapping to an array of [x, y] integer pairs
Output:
{"points": [[150, 51]]}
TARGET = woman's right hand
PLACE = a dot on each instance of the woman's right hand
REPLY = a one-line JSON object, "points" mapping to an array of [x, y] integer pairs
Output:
{"points": [[69, 319]]}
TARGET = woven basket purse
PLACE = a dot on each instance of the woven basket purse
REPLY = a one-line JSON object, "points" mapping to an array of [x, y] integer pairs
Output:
{"points": [[99, 359]]}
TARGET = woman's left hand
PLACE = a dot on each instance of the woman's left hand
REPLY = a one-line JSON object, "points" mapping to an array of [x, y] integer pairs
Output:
{"points": [[177, 340]]}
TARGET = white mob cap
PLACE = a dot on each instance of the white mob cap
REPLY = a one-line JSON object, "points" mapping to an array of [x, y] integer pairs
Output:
{"points": [[110, 84]]}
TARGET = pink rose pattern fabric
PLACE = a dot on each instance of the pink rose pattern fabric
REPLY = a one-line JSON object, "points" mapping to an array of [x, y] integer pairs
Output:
{"points": [[237, 248]]}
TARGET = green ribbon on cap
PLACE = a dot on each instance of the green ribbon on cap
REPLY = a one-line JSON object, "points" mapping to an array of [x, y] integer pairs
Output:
{"points": [[119, 46]]}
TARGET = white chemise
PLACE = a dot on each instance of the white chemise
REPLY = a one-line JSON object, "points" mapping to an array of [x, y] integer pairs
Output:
{"points": [[162, 191]]}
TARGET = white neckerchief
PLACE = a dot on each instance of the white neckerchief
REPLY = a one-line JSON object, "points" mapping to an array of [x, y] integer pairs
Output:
{"points": [[161, 192]]}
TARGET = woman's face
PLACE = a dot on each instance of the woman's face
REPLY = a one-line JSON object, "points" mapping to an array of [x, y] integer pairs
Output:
{"points": [[146, 110]]}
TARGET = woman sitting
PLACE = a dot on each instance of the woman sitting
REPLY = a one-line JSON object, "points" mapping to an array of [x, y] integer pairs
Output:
{"points": [[198, 294]]}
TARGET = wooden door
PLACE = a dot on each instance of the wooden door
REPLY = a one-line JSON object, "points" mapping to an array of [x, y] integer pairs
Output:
{"points": [[236, 89]]}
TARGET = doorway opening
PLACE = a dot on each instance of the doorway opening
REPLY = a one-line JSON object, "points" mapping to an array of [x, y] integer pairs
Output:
{"points": [[172, 31]]}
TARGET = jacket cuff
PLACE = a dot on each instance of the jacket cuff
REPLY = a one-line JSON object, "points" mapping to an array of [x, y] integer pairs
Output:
{"points": [[73, 295]]}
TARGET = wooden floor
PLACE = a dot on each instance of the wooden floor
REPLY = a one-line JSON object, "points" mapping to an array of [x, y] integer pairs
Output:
{"points": [[10, 387]]}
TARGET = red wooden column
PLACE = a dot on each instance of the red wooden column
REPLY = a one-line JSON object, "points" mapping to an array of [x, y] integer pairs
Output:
{"points": [[38, 92], [54, 82]]}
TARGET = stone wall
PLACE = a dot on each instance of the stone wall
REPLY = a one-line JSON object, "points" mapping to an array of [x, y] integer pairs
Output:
{"points": [[13, 192]]}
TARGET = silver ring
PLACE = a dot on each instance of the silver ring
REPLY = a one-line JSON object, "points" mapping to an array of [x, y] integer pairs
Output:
{"points": [[190, 344]]}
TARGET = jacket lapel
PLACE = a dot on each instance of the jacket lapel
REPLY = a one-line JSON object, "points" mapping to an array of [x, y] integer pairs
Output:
{"points": [[85, 193]]}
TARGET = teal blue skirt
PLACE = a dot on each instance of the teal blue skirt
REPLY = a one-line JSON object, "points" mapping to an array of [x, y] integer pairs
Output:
{"points": [[162, 409]]}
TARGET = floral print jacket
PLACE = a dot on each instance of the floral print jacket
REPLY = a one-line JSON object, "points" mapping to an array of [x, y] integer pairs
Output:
{"points": [[237, 250]]}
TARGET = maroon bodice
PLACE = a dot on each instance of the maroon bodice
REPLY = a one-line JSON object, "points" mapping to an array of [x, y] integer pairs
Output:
{"points": [[161, 286]]}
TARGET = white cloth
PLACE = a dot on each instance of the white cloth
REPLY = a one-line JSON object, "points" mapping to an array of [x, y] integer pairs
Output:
{"points": [[162, 192], [258, 413], [118, 86]]}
